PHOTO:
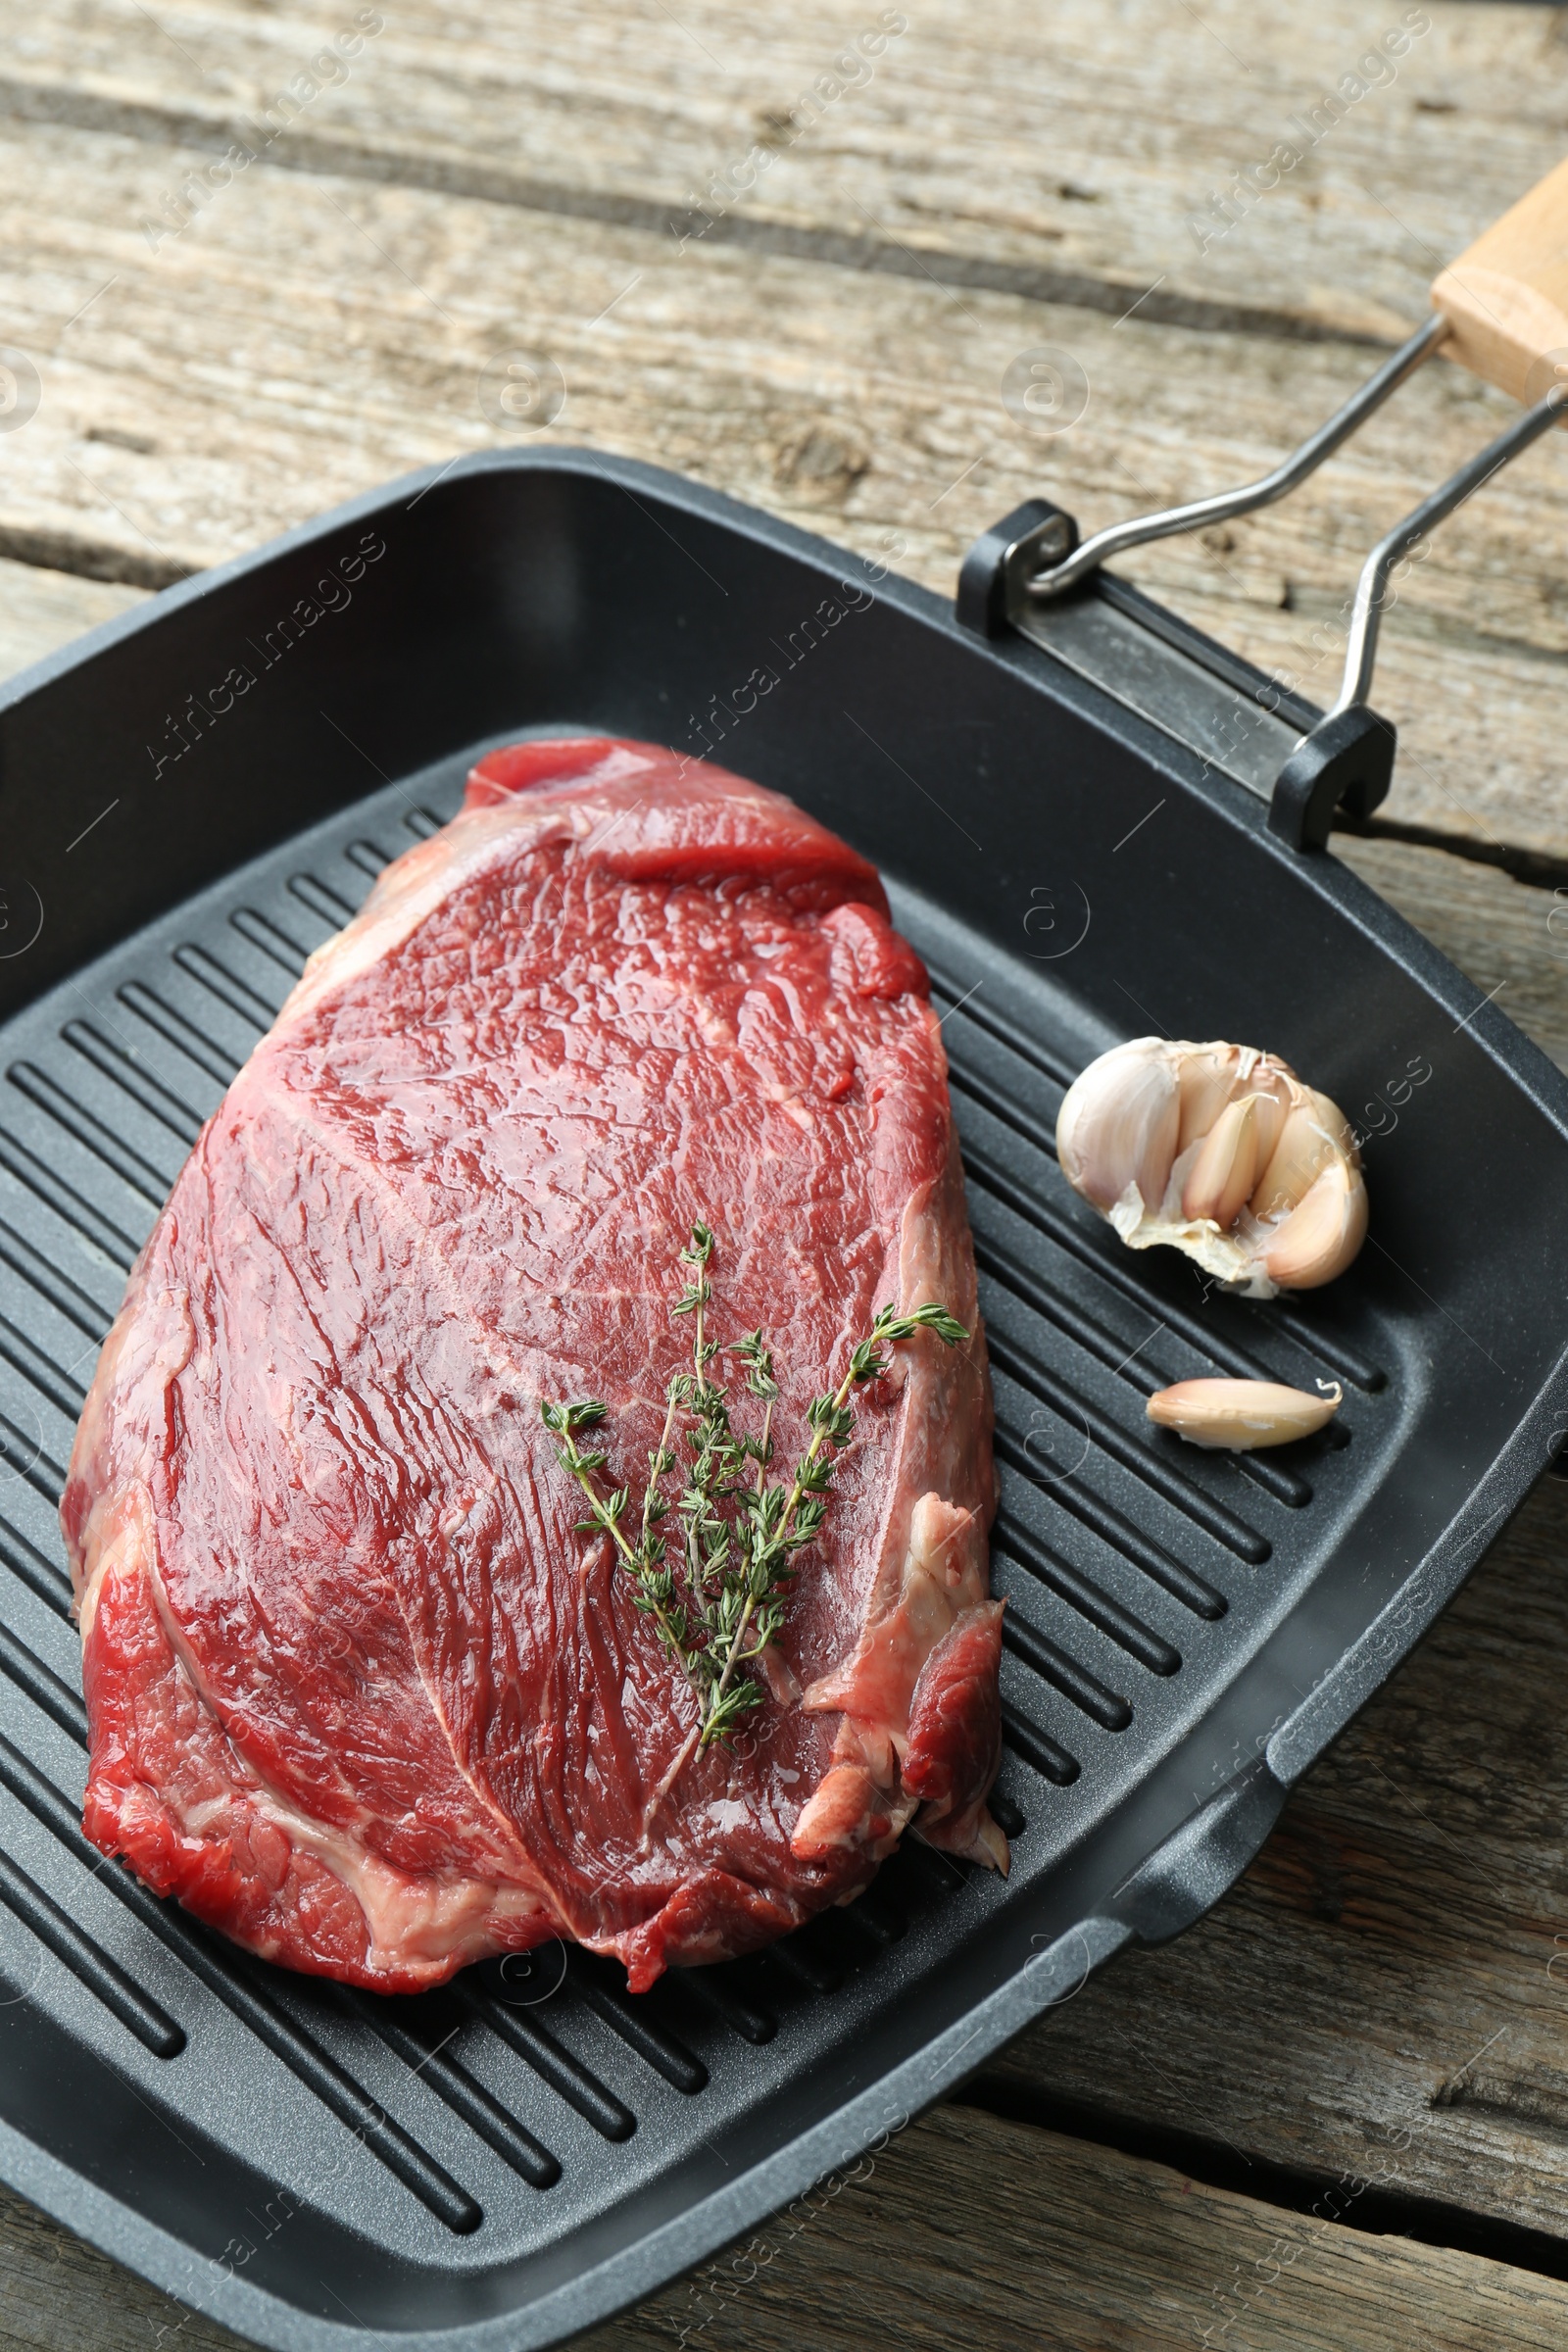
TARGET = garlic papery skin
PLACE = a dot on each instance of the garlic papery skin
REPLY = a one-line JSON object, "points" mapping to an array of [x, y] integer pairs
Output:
{"points": [[1221, 1151], [1240, 1416]]}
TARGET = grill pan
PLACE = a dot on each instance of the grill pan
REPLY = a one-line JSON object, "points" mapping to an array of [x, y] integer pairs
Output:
{"points": [[507, 2161]]}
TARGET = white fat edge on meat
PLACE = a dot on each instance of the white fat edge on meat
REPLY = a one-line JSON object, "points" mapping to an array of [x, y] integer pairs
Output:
{"points": [[427, 1917], [424, 1918], [933, 1566], [127, 1537], [159, 1365]]}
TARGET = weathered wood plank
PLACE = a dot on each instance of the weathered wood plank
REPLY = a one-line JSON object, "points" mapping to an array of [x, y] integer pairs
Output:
{"points": [[309, 337], [1390, 1960], [1104, 133], [42, 610], [1065, 2244], [1509, 935]]}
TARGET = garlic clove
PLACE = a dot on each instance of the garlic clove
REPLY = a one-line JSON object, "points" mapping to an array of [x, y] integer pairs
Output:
{"points": [[1275, 1091], [1240, 1416], [1322, 1234], [1207, 1076], [1303, 1150], [1337, 1127], [1225, 1170], [1120, 1123]]}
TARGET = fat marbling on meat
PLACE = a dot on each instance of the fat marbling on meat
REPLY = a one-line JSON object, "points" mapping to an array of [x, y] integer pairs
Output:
{"points": [[361, 1693]]}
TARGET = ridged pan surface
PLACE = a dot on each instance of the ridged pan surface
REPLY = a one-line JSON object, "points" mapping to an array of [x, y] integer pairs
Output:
{"points": [[500, 2163]]}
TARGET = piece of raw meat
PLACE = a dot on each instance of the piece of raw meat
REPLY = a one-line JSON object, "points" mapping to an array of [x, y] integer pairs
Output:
{"points": [[360, 1694]]}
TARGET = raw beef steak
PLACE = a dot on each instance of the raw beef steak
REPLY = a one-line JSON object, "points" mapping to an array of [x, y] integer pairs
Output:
{"points": [[360, 1694]]}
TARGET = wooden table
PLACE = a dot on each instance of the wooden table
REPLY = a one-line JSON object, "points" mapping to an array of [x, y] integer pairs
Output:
{"points": [[1337, 2112]]}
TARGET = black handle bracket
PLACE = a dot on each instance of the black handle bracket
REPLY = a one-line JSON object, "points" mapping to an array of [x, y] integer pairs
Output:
{"points": [[1345, 762], [1232, 715]]}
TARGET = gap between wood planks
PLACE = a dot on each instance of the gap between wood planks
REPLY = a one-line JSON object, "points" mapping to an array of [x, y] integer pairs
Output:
{"points": [[1082, 194], [448, 175], [1534, 868], [1378, 2212], [53, 548]]}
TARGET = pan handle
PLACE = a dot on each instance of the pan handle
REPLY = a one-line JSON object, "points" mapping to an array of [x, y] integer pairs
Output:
{"points": [[1500, 310], [1351, 750], [1372, 587], [1504, 304], [1042, 570], [1506, 298]]}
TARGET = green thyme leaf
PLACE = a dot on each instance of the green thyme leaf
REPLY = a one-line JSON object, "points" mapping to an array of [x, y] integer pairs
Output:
{"points": [[719, 1600]]}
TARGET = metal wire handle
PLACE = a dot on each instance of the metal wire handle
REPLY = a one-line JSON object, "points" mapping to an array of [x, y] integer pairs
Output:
{"points": [[1050, 576], [1054, 580], [1371, 589]]}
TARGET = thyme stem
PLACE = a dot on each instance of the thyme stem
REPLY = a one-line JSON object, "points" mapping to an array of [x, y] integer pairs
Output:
{"points": [[839, 1398], [739, 1536], [663, 1450]]}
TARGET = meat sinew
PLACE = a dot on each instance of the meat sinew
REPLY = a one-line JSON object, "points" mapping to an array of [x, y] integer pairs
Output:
{"points": [[361, 1692]]}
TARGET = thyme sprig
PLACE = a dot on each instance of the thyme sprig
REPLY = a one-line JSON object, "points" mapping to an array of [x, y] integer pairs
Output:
{"points": [[716, 1588]]}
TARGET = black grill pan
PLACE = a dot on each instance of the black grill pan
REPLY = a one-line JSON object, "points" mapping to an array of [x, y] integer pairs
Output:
{"points": [[502, 2163]]}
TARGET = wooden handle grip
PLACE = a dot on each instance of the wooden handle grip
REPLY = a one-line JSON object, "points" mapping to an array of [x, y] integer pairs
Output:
{"points": [[1507, 298]]}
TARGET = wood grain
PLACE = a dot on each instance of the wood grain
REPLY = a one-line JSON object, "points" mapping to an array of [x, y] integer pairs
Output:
{"points": [[1071, 152], [42, 610], [1065, 2244], [310, 337], [1509, 936], [1392, 1958]]}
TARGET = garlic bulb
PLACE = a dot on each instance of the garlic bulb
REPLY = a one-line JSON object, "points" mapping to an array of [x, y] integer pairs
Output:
{"points": [[1241, 1414], [1221, 1151]]}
